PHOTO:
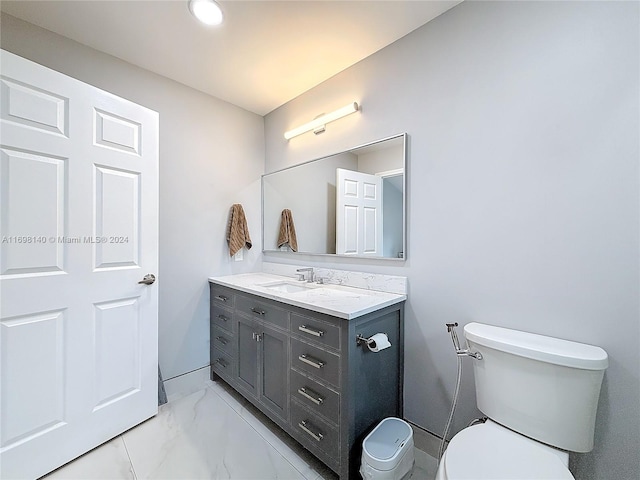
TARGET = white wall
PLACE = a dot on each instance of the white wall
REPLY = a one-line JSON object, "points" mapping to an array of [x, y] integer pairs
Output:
{"points": [[211, 156], [522, 189]]}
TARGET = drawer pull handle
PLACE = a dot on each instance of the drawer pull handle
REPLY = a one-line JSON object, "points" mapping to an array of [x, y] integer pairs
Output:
{"points": [[311, 395], [311, 361], [222, 363], [259, 312], [305, 329], [222, 340], [222, 298], [223, 318], [304, 426]]}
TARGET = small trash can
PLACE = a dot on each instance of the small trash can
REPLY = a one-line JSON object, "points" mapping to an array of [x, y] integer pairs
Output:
{"points": [[387, 452]]}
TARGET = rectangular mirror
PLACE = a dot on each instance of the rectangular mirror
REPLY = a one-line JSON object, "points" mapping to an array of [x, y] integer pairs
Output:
{"points": [[348, 204]]}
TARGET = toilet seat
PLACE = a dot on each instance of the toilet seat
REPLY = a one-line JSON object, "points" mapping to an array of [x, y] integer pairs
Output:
{"points": [[492, 452]]}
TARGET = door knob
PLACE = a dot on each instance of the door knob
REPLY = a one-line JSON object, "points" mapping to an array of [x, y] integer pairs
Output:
{"points": [[148, 279]]}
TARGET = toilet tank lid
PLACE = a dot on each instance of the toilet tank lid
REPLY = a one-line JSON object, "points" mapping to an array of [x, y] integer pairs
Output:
{"points": [[538, 347]]}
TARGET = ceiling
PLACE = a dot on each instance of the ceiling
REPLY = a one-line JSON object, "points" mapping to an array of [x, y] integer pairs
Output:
{"points": [[263, 55]]}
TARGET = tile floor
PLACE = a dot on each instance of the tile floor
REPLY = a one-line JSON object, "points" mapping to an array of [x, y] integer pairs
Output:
{"points": [[212, 433]]}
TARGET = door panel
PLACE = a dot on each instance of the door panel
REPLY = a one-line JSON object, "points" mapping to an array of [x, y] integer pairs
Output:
{"points": [[116, 376], [370, 231], [79, 220], [117, 218], [34, 107], [33, 185], [36, 343], [113, 131]]}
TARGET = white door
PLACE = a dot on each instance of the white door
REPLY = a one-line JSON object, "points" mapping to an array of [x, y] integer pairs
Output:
{"points": [[79, 229], [358, 213]]}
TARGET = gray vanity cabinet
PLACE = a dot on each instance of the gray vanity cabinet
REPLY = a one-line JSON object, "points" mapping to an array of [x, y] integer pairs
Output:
{"points": [[306, 372]]}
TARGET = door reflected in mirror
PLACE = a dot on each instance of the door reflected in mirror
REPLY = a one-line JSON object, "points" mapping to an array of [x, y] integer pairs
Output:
{"points": [[349, 204]]}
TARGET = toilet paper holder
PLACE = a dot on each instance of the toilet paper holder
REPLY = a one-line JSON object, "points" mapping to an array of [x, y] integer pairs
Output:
{"points": [[370, 342]]}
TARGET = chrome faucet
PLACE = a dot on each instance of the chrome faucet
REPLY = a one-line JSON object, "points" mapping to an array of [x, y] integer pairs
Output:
{"points": [[308, 277]]}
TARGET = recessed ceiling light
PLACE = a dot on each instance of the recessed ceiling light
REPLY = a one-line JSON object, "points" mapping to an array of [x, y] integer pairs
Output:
{"points": [[207, 11]]}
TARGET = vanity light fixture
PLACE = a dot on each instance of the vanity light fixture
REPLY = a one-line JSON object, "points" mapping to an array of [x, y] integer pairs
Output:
{"points": [[318, 124], [207, 11]]}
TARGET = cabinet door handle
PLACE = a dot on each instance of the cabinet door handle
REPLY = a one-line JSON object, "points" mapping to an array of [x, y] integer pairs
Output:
{"points": [[222, 340], [222, 363], [223, 318], [306, 427], [311, 361], [222, 298], [311, 395], [256, 336], [305, 329], [258, 311]]}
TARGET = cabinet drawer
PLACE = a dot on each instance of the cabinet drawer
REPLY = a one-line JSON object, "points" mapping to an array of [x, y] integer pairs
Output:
{"points": [[315, 331], [222, 318], [221, 296], [313, 431], [222, 340], [222, 364], [262, 311], [317, 397], [315, 361]]}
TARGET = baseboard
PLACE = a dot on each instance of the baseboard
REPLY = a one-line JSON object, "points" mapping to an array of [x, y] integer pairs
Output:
{"points": [[187, 383], [424, 440]]}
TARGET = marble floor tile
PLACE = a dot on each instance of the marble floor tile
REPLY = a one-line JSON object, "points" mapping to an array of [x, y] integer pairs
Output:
{"points": [[108, 461], [201, 436], [426, 466]]}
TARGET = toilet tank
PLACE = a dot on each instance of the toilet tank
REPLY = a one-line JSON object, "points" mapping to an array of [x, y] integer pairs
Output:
{"points": [[542, 387]]}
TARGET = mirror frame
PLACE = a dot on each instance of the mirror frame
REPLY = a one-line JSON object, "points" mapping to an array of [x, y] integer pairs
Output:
{"points": [[404, 137]]}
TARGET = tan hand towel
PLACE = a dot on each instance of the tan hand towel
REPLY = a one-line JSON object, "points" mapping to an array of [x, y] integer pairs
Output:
{"points": [[237, 230], [287, 233]]}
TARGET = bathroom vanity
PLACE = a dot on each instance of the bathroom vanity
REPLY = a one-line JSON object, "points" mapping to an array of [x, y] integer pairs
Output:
{"points": [[290, 348]]}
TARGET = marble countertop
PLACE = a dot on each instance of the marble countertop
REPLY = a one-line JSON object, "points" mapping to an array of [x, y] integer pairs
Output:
{"points": [[337, 300]]}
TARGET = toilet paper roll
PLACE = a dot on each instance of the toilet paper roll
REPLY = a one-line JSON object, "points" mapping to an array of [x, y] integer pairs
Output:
{"points": [[378, 342]]}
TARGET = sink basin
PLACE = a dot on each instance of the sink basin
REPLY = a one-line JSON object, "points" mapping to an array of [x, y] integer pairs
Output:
{"points": [[286, 287]]}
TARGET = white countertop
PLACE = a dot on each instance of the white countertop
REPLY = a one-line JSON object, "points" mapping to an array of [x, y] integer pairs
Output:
{"points": [[337, 300]]}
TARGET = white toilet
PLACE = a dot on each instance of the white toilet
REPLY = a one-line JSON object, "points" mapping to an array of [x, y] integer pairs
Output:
{"points": [[540, 395]]}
